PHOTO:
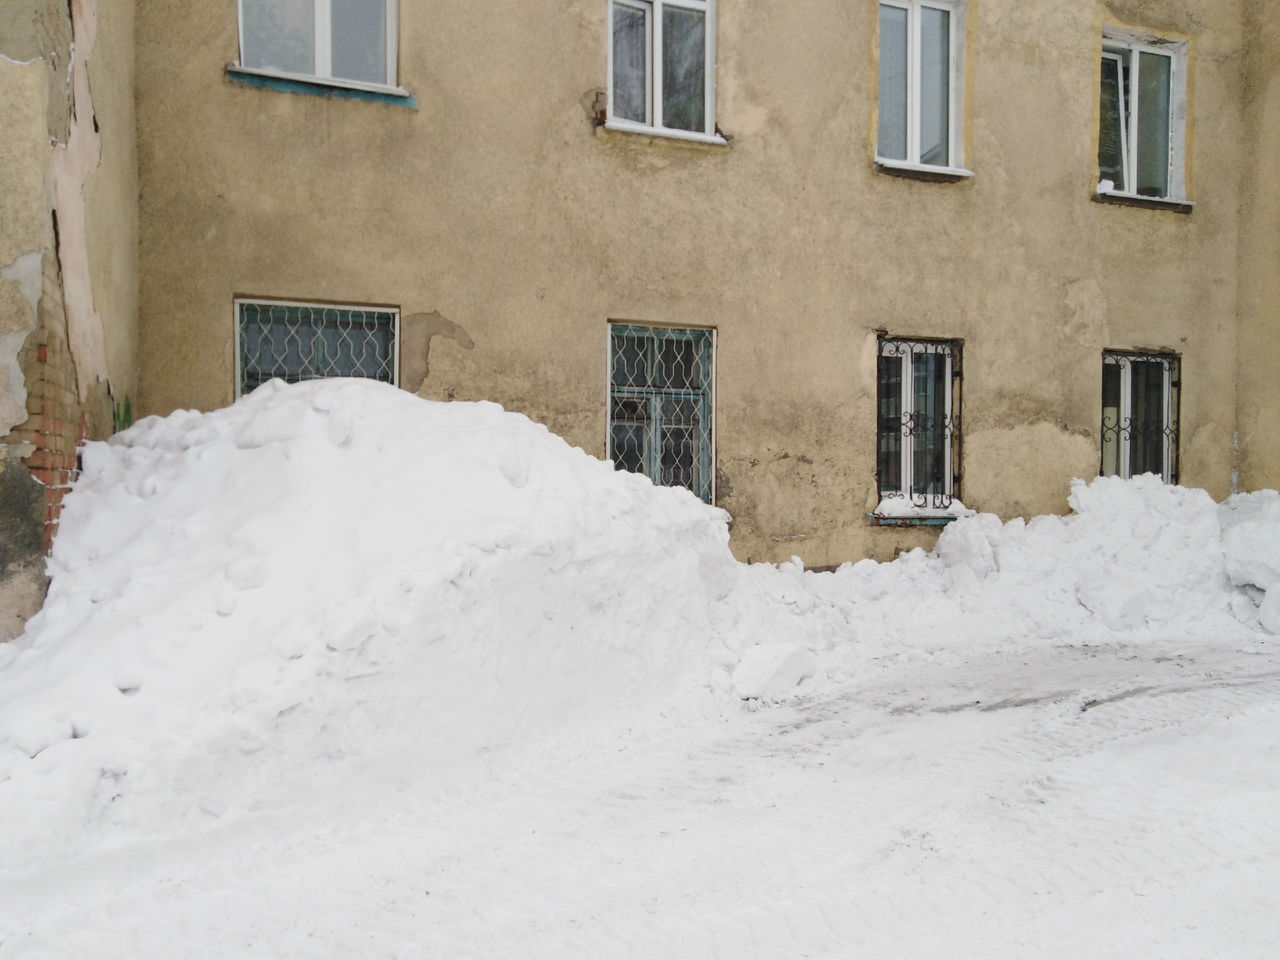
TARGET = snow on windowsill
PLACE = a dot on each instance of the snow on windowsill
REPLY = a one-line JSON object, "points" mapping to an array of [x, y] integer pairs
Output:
{"points": [[901, 512]]}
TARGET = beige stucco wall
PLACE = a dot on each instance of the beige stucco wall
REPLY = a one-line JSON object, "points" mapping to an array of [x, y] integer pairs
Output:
{"points": [[494, 209], [1259, 385]]}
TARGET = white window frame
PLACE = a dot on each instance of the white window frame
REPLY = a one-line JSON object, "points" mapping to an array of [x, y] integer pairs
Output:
{"points": [[955, 89], [323, 52], [653, 68], [237, 302], [1116, 44], [906, 349], [1172, 368]]}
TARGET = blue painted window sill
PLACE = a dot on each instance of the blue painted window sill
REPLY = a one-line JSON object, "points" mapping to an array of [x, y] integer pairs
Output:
{"points": [[320, 88], [875, 520]]}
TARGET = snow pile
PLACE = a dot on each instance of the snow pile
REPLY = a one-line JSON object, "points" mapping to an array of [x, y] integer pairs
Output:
{"points": [[337, 587], [335, 592], [1133, 561]]}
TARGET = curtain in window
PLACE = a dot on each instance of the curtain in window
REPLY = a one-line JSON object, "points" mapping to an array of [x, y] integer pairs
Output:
{"points": [[684, 68], [279, 35], [630, 58], [1112, 118]]}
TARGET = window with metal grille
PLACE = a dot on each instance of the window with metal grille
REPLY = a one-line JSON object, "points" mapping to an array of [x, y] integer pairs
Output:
{"points": [[304, 341], [1140, 414], [660, 389], [918, 399]]}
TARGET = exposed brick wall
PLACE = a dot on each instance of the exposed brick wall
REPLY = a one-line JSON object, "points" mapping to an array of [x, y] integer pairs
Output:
{"points": [[57, 424]]}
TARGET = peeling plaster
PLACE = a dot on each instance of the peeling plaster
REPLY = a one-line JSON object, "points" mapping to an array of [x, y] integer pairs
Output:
{"points": [[72, 164], [26, 271]]}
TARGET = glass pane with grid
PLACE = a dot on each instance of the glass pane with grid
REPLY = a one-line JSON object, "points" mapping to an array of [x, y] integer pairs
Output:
{"points": [[295, 342], [660, 405]]}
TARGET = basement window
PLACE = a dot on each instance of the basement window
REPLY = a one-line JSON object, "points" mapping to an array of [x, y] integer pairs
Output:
{"points": [[660, 412], [918, 434], [349, 43], [1140, 394], [294, 341]]}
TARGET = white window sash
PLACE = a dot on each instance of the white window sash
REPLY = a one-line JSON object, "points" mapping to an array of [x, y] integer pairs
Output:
{"points": [[322, 46], [1125, 47], [653, 69], [955, 78]]}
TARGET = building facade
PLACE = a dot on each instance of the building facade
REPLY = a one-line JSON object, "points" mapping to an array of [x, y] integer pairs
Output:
{"points": [[833, 266]]}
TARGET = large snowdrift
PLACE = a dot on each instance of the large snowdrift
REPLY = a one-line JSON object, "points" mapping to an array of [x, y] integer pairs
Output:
{"points": [[335, 590]]}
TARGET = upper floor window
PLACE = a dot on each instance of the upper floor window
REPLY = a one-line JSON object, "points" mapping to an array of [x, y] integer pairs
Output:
{"points": [[921, 53], [335, 41], [662, 67], [1141, 117]]}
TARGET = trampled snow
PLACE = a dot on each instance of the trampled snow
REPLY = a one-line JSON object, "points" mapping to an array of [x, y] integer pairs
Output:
{"points": [[338, 671]]}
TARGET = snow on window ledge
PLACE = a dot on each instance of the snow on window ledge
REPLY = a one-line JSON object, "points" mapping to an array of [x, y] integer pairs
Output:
{"points": [[901, 512]]}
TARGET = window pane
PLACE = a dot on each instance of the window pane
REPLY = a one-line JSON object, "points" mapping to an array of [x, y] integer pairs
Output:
{"points": [[628, 434], [929, 422], [1152, 175], [279, 35], [935, 86], [889, 429], [678, 367], [1111, 427], [1110, 128], [629, 366], [684, 68], [360, 40], [891, 140], [1146, 429], [680, 443], [630, 52]]}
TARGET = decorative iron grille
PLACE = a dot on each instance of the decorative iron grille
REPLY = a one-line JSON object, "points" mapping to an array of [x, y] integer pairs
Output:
{"points": [[660, 415], [1140, 397], [301, 341], [918, 435]]}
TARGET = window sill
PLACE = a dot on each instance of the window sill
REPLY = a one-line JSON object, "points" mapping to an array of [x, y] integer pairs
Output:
{"points": [[876, 520], [320, 86], [655, 134], [922, 171], [1136, 200]]}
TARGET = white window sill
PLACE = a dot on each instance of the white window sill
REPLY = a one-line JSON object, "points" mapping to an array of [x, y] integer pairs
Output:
{"points": [[1138, 200], [382, 88], [904, 168], [666, 133]]}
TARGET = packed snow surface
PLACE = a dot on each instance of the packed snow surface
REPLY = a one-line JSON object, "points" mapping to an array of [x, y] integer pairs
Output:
{"points": [[340, 672]]}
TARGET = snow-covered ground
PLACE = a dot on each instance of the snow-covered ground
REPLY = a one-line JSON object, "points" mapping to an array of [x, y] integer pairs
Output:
{"points": [[340, 672]]}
